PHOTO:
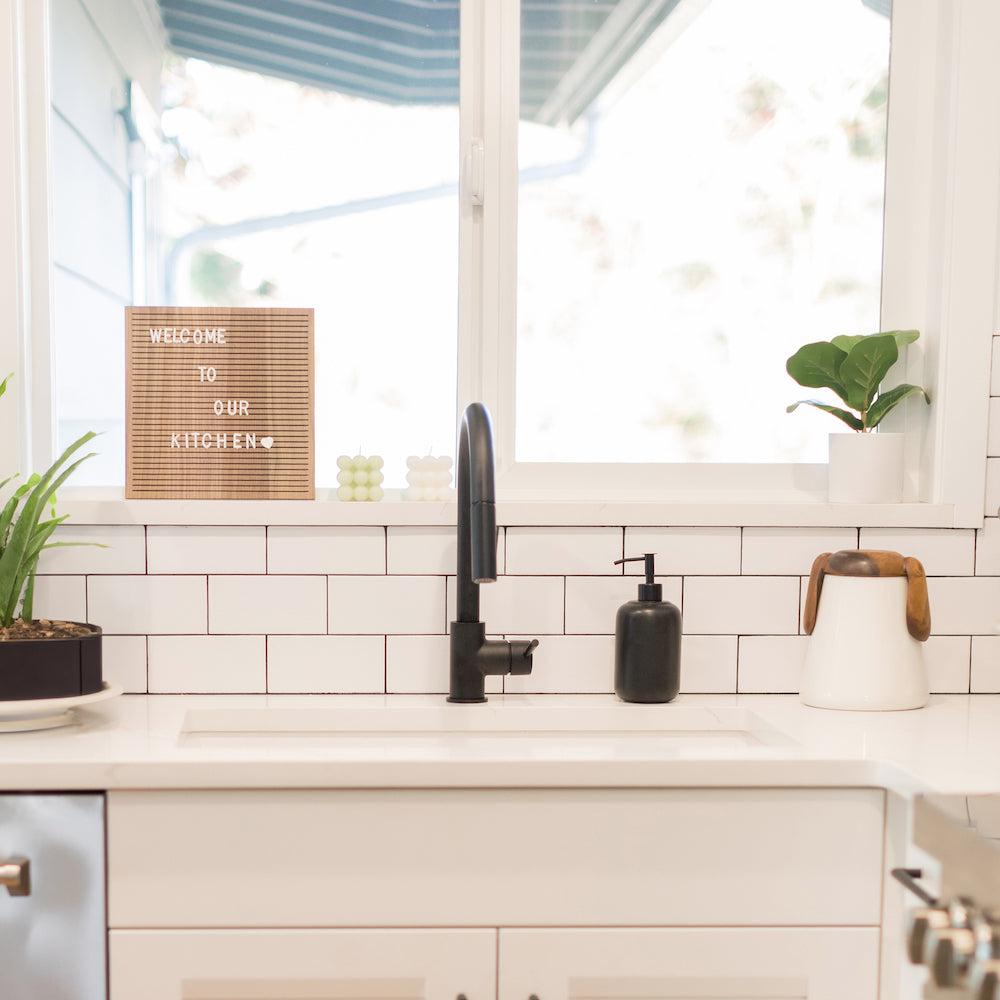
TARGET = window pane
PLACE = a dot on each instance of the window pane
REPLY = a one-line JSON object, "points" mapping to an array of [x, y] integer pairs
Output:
{"points": [[701, 192], [296, 155]]}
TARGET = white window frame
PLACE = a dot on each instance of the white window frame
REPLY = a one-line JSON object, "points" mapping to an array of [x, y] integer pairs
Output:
{"points": [[941, 256], [940, 266]]}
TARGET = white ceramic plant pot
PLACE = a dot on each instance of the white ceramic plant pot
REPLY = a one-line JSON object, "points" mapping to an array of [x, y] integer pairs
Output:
{"points": [[865, 468], [861, 657]]}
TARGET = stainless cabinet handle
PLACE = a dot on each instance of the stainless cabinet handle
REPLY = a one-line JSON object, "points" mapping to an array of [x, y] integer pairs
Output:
{"points": [[15, 876]]}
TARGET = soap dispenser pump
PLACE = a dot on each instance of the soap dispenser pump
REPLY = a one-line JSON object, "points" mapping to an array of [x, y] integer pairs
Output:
{"points": [[647, 642]]}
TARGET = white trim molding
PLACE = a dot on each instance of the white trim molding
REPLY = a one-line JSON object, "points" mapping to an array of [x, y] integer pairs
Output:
{"points": [[942, 226], [14, 244], [759, 512]]}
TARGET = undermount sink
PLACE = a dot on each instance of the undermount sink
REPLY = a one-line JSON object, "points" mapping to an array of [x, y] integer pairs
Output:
{"points": [[676, 724]]}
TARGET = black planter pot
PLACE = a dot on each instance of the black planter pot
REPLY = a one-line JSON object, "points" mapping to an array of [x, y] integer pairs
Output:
{"points": [[51, 668]]}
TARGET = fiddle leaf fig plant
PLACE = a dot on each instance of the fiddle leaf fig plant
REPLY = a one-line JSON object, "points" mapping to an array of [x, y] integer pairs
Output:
{"points": [[854, 367], [27, 521]]}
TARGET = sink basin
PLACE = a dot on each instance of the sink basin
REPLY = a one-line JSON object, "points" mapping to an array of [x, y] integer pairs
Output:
{"points": [[677, 724]]}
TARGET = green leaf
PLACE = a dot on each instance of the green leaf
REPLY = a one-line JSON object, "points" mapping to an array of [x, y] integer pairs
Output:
{"points": [[29, 565], [9, 509], [3, 384], [817, 366], [27, 605], [15, 562], [865, 367], [889, 400], [902, 338], [849, 418]]}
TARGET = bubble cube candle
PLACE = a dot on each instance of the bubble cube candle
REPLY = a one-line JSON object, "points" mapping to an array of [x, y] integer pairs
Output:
{"points": [[360, 478], [428, 478]]}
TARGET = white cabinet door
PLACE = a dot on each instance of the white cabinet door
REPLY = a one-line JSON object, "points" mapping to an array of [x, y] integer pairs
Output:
{"points": [[303, 965], [690, 964]]}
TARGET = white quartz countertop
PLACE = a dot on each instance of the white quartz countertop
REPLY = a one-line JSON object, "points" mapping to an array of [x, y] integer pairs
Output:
{"points": [[257, 741]]}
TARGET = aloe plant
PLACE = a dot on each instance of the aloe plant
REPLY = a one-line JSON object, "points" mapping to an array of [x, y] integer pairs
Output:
{"points": [[854, 367], [25, 530]]}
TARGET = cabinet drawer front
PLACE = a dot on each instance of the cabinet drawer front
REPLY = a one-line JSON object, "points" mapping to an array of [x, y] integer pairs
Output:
{"points": [[303, 965], [691, 964], [498, 857]]}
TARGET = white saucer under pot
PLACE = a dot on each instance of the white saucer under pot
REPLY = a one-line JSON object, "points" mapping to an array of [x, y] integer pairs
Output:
{"points": [[49, 713]]}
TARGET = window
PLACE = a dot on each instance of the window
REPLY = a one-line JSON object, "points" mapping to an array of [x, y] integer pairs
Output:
{"points": [[705, 197], [301, 160], [659, 200]]}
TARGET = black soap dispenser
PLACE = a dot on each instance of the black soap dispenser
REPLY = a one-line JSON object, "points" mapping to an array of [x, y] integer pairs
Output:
{"points": [[647, 643]]}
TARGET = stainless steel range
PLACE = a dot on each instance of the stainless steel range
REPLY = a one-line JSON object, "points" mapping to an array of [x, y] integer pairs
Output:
{"points": [[955, 931]]}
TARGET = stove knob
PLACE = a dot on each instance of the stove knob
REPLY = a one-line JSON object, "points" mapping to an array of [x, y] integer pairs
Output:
{"points": [[948, 953], [984, 980], [921, 921]]}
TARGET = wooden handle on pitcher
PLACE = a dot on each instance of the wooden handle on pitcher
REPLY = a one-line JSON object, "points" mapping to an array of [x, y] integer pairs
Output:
{"points": [[918, 605], [816, 574]]}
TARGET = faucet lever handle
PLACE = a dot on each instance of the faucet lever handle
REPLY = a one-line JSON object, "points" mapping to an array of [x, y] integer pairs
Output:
{"points": [[520, 656]]}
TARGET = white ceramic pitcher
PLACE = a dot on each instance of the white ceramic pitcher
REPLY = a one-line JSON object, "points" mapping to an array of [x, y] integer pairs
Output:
{"points": [[865, 635]]}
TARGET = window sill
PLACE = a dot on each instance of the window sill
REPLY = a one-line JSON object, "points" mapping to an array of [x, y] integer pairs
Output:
{"points": [[95, 509]]}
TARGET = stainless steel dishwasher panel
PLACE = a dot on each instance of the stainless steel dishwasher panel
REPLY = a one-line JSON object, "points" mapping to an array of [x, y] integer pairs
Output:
{"points": [[53, 938]]}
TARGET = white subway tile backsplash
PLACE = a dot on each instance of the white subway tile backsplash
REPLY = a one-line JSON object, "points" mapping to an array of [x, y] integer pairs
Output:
{"points": [[519, 604], [539, 551], [574, 664], [988, 548], [414, 550], [62, 597], [418, 664], [341, 550], [387, 605], [206, 664], [271, 604], [201, 549], [686, 551], [708, 664], [787, 551], [942, 551], [985, 664], [727, 605], [145, 605], [947, 659], [359, 609], [964, 605], [123, 660], [325, 664], [124, 551], [592, 602], [771, 664]]}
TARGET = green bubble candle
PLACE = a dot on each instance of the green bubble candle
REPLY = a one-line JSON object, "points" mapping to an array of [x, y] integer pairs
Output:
{"points": [[360, 478]]}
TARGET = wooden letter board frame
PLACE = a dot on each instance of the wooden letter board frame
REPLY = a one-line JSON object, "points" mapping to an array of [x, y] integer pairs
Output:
{"points": [[259, 370]]}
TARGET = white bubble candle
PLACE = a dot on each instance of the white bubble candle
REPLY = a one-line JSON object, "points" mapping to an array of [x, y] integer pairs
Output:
{"points": [[428, 478], [360, 478]]}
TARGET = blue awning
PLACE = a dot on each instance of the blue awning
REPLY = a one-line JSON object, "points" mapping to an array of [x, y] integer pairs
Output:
{"points": [[406, 51]]}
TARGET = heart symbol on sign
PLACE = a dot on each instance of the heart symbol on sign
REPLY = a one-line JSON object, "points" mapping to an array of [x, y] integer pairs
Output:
{"points": [[266, 442]]}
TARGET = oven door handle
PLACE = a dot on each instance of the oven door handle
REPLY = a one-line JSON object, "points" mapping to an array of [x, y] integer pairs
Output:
{"points": [[15, 876]]}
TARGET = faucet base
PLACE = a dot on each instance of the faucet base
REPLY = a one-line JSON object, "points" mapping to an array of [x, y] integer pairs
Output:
{"points": [[474, 658]]}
